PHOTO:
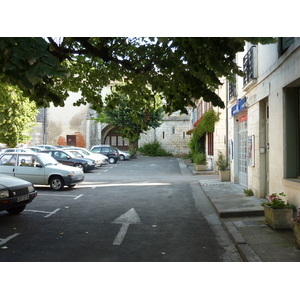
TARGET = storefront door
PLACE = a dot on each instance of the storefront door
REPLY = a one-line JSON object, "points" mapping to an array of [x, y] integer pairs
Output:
{"points": [[243, 160]]}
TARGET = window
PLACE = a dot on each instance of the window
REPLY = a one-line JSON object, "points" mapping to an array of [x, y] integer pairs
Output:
{"points": [[8, 160], [173, 130], [210, 143], [26, 161], [284, 43], [249, 65], [292, 132]]}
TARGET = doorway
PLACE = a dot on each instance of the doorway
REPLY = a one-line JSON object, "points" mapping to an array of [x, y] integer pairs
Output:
{"points": [[243, 159], [71, 140]]}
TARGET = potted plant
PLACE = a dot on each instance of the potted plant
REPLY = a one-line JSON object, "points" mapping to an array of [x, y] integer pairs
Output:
{"points": [[296, 227], [200, 161], [278, 213], [222, 165]]}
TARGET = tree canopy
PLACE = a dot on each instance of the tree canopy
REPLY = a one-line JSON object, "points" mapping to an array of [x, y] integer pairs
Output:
{"points": [[131, 118], [17, 116], [180, 69]]}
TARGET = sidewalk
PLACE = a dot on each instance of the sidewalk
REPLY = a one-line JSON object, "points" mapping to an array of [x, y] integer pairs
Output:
{"points": [[243, 218]]}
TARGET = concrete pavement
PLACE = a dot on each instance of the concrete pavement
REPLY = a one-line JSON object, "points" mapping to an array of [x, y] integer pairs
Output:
{"points": [[243, 218]]}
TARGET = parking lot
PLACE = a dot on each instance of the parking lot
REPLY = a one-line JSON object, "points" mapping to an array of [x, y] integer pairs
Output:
{"points": [[137, 210]]}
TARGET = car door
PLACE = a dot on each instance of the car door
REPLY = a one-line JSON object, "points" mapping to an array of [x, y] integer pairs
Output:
{"points": [[104, 151], [62, 157], [8, 164], [29, 168]]}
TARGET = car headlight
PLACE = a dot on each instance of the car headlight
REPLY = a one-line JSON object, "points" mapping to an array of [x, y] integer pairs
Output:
{"points": [[4, 194], [30, 189]]}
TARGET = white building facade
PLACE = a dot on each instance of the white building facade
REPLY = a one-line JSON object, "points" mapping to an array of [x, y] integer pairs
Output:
{"points": [[264, 120]]}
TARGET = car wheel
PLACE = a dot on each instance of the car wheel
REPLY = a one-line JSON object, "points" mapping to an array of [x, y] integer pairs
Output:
{"points": [[16, 210], [80, 166], [122, 157], [111, 160], [56, 183]]}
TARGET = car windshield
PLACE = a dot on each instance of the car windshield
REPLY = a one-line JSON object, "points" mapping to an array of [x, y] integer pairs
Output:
{"points": [[47, 159], [71, 154], [85, 152], [77, 153]]}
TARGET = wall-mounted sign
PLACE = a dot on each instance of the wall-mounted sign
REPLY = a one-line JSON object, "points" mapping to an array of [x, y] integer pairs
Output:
{"points": [[243, 118], [240, 105]]}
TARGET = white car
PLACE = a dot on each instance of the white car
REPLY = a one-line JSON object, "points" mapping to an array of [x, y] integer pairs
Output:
{"points": [[16, 150], [40, 168], [100, 159]]}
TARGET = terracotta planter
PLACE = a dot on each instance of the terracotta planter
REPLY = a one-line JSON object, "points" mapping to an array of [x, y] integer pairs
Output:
{"points": [[297, 234], [200, 167], [279, 218], [224, 175]]}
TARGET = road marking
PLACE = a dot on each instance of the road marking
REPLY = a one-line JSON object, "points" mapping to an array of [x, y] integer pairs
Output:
{"points": [[52, 213], [130, 217], [49, 213], [55, 195], [3, 241], [78, 196]]}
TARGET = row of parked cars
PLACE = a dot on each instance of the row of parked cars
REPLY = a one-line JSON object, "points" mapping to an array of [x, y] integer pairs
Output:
{"points": [[21, 168]]}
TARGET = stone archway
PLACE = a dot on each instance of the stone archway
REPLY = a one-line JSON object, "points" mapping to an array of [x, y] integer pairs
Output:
{"points": [[110, 136]]}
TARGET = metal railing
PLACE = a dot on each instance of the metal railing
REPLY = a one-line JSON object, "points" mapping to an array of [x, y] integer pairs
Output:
{"points": [[248, 65], [231, 90]]}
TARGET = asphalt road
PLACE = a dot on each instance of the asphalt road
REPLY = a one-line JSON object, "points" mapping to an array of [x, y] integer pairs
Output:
{"points": [[142, 210]]}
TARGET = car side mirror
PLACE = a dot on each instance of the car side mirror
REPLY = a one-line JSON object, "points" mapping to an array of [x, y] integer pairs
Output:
{"points": [[38, 166]]}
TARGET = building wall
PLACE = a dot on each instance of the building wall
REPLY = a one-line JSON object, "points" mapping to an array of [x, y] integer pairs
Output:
{"points": [[171, 134], [274, 74]]}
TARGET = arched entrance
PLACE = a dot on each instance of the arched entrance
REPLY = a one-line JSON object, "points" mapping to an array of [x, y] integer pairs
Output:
{"points": [[113, 138]]}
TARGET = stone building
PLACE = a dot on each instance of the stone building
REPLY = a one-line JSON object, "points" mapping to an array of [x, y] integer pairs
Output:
{"points": [[74, 126]]}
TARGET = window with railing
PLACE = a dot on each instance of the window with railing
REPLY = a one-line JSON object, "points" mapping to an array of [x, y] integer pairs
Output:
{"points": [[231, 90], [248, 66]]}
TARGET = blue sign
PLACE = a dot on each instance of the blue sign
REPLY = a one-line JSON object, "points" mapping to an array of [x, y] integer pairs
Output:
{"points": [[241, 105], [234, 110]]}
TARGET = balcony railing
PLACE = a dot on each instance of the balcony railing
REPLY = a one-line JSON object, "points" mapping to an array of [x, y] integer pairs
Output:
{"points": [[248, 66], [232, 90]]}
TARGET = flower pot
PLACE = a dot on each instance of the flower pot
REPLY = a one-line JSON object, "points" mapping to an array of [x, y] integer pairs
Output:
{"points": [[297, 234], [200, 167], [279, 218], [224, 175]]}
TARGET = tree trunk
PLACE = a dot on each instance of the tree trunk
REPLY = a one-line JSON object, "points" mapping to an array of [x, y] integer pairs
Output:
{"points": [[133, 148]]}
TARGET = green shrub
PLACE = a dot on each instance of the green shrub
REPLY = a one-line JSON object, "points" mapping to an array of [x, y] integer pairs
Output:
{"points": [[199, 158], [154, 149]]}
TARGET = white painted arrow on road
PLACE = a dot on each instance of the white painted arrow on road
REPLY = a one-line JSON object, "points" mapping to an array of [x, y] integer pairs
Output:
{"points": [[130, 217]]}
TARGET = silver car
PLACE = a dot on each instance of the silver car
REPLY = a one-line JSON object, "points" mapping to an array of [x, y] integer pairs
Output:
{"points": [[40, 168], [100, 159]]}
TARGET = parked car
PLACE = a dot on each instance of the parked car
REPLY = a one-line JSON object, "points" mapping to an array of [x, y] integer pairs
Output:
{"points": [[34, 149], [70, 159], [100, 159], [40, 168], [15, 194], [110, 152], [47, 147], [16, 150], [123, 154]]}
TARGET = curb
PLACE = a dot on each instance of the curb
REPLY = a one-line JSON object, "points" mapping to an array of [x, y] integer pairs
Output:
{"points": [[247, 253]]}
